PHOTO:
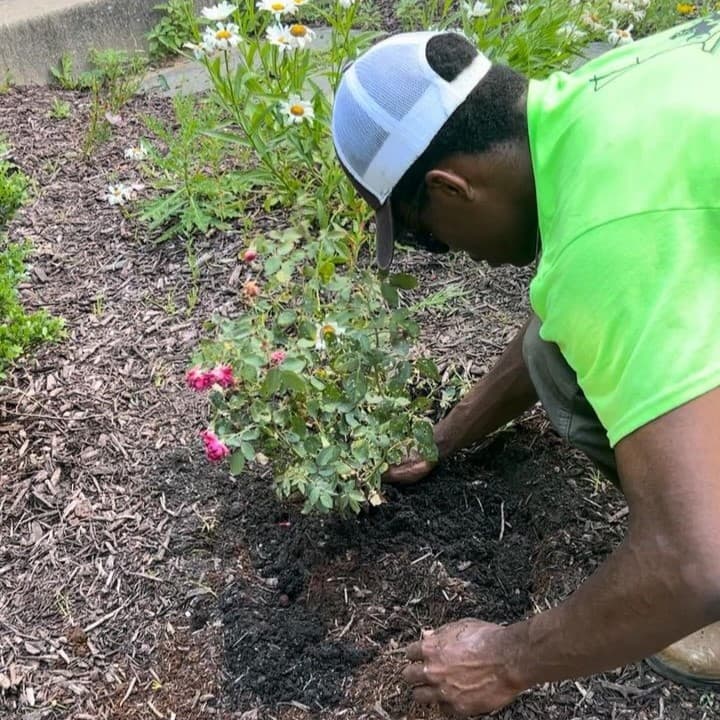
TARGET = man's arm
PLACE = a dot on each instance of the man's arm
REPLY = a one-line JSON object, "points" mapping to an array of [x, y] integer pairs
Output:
{"points": [[661, 584], [496, 399]]}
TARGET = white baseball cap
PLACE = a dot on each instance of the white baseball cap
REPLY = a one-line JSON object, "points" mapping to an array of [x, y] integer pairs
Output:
{"points": [[389, 106]]}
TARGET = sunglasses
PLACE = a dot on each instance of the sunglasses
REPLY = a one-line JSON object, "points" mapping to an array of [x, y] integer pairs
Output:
{"points": [[410, 230]]}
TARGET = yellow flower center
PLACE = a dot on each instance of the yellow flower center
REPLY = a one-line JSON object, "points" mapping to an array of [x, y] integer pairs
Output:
{"points": [[278, 6], [327, 330], [223, 35], [685, 8], [299, 111], [298, 30]]}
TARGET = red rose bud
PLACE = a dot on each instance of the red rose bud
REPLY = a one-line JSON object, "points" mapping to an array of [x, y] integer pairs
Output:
{"points": [[198, 379], [215, 449], [223, 376], [277, 357]]}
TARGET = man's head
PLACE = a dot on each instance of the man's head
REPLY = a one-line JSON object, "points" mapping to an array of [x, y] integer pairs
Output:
{"points": [[434, 137]]}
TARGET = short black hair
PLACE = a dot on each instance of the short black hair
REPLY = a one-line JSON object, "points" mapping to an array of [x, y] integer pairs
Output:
{"points": [[489, 116]]}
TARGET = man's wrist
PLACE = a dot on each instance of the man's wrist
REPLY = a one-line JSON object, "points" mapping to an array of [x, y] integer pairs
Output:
{"points": [[513, 648], [441, 436]]}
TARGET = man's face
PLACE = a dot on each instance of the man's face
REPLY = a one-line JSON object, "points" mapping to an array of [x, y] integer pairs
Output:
{"points": [[491, 222]]}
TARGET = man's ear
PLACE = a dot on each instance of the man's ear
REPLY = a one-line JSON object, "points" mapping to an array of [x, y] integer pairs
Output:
{"points": [[448, 182]]}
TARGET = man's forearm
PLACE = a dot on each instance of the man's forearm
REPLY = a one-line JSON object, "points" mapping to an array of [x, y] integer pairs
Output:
{"points": [[499, 397], [638, 602]]}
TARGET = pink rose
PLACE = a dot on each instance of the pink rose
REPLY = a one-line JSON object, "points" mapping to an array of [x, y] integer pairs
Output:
{"points": [[249, 255], [215, 449], [198, 379], [223, 376], [277, 357]]}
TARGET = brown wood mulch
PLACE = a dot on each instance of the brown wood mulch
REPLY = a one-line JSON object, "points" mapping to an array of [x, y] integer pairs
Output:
{"points": [[110, 566]]}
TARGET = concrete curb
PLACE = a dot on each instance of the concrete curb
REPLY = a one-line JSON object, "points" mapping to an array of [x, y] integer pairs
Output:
{"points": [[34, 34]]}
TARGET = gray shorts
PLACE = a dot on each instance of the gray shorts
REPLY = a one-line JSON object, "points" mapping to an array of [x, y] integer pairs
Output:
{"points": [[570, 413]]}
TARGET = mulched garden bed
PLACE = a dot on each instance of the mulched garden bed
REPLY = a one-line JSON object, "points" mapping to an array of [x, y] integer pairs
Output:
{"points": [[137, 581]]}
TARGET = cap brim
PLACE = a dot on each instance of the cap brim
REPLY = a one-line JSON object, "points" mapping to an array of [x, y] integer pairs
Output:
{"points": [[384, 235], [384, 224]]}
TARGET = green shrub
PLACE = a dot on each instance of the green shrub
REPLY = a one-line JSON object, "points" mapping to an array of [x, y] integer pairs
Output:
{"points": [[19, 330], [13, 188], [173, 30]]}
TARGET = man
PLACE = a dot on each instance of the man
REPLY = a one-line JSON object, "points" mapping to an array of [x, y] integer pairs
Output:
{"points": [[611, 176]]}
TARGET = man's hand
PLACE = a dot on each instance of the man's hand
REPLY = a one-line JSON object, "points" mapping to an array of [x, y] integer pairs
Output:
{"points": [[410, 471], [461, 667]]}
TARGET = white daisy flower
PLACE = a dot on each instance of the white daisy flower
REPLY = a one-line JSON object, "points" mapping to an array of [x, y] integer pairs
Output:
{"points": [[297, 110], [518, 8], [622, 6], [223, 37], [279, 35], [618, 36], [221, 11], [119, 194], [301, 35], [324, 332], [346, 3], [277, 7], [571, 31], [136, 153], [478, 9], [299, 3], [115, 195]]}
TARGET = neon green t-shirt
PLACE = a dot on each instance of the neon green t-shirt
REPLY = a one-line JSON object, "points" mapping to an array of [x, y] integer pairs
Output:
{"points": [[626, 157]]}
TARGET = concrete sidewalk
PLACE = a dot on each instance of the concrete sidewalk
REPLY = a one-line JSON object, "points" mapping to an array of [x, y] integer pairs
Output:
{"points": [[35, 33]]}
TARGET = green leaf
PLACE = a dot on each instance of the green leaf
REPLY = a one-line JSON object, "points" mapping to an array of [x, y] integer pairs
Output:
{"points": [[427, 368], [391, 295], [328, 455], [271, 384], [403, 280], [326, 270], [237, 463], [286, 318], [296, 364], [247, 450], [292, 381]]}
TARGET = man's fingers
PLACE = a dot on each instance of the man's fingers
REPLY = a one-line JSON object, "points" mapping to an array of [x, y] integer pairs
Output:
{"points": [[415, 674], [409, 472], [414, 651], [426, 695]]}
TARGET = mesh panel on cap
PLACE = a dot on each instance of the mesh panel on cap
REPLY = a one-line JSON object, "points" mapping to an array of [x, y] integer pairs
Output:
{"points": [[356, 134], [395, 92]]}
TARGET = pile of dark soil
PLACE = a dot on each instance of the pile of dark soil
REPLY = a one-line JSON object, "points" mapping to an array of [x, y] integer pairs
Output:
{"points": [[496, 534]]}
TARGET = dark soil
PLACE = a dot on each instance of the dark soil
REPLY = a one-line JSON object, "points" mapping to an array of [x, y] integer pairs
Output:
{"points": [[497, 534]]}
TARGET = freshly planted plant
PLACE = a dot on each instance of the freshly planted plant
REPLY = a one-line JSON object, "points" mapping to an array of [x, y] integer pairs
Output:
{"points": [[315, 373]]}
